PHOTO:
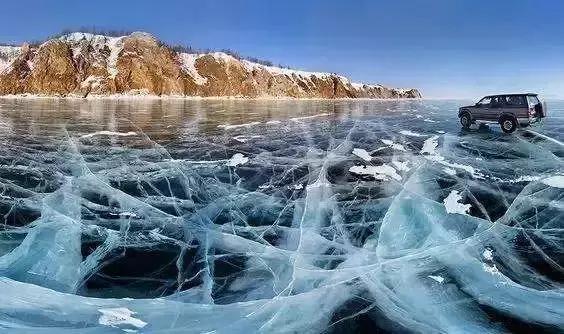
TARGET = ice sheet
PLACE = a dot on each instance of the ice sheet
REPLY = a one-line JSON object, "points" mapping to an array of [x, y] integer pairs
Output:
{"points": [[276, 217]]}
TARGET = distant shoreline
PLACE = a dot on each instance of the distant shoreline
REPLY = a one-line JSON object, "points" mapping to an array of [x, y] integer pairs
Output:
{"points": [[195, 98]]}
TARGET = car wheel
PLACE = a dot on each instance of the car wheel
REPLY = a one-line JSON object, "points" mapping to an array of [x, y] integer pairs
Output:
{"points": [[465, 120], [508, 124]]}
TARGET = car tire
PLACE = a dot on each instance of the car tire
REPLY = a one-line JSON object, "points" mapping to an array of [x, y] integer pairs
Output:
{"points": [[465, 120], [508, 124]]}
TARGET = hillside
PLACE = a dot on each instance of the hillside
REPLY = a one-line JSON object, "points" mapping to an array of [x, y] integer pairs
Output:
{"points": [[83, 64]]}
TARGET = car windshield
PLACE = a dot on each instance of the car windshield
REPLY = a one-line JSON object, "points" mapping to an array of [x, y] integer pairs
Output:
{"points": [[484, 101]]}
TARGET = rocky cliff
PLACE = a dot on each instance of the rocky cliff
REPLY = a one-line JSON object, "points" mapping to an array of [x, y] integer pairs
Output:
{"points": [[82, 64]]}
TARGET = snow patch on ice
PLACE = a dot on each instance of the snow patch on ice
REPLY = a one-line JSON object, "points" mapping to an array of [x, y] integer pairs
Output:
{"points": [[411, 133], [488, 254], [393, 145], [403, 166], [120, 316], [430, 145], [437, 278], [361, 153], [554, 181], [449, 171], [492, 269], [381, 172], [244, 139], [469, 169], [237, 159], [452, 204]]}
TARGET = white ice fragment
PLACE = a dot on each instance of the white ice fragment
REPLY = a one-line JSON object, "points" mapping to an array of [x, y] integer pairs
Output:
{"points": [[393, 145], [273, 122], [428, 120], [430, 145], [411, 133], [361, 153], [554, 181], [488, 254], [298, 186], [109, 133], [229, 126], [378, 172], [453, 206], [237, 159], [437, 278], [449, 171], [441, 131], [115, 317]]}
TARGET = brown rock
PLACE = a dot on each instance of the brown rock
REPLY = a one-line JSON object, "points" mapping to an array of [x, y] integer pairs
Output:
{"points": [[86, 64]]}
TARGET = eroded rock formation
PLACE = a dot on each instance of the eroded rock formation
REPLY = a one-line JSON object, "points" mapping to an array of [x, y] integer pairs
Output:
{"points": [[82, 64]]}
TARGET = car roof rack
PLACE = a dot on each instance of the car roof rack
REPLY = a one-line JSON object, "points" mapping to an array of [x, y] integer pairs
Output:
{"points": [[514, 94]]}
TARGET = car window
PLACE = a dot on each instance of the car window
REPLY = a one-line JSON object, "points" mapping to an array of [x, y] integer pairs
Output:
{"points": [[516, 100], [485, 101], [533, 100], [497, 101]]}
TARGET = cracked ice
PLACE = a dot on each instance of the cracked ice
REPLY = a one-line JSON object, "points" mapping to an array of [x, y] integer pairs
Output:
{"points": [[276, 217]]}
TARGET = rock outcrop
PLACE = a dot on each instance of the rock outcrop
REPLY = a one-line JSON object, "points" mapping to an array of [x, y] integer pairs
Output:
{"points": [[82, 64]]}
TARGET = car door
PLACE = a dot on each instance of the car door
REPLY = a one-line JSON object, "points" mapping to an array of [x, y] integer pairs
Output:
{"points": [[481, 108], [495, 109]]}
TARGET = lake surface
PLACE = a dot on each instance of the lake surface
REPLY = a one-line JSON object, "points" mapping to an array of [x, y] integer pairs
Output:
{"points": [[229, 216]]}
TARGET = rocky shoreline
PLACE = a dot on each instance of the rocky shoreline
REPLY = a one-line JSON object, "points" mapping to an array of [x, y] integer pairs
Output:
{"points": [[82, 65]]}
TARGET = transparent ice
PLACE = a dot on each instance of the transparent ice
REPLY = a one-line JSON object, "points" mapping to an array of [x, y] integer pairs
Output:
{"points": [[277, 217]]}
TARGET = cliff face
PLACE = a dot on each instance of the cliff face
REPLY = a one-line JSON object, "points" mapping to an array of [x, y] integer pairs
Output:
{"points": [[83, 64]]}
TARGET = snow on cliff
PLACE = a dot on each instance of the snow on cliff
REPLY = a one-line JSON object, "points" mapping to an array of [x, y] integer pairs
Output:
{"points": [[7, 55]]}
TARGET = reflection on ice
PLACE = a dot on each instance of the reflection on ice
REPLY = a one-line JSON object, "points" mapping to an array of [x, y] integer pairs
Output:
{"points": [[276, 217]]}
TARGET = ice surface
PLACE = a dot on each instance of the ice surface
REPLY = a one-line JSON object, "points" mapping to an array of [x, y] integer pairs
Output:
{"points": [[276, 217]]}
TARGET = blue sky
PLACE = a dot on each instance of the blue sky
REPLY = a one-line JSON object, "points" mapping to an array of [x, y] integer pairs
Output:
{"points": [[446, 48]]}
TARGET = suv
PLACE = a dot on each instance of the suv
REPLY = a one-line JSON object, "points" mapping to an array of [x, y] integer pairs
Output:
{"points": [[509, 110]]}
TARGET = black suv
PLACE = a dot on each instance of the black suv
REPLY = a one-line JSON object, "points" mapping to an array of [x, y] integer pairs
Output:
{"points": [[509, 110]]}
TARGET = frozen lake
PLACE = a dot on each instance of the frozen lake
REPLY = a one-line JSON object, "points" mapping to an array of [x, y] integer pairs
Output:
{"points": [[226, 216]]}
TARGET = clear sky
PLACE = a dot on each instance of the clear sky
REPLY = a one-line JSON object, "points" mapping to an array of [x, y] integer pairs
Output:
{"points": [[446, 48]]}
